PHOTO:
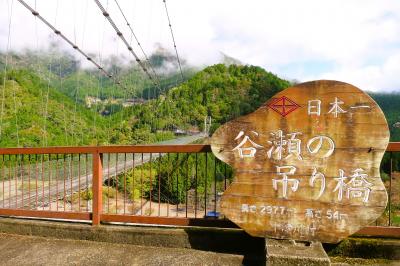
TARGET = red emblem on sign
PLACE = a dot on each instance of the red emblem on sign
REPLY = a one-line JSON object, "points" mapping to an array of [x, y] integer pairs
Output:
{"points": [[283, 105]]}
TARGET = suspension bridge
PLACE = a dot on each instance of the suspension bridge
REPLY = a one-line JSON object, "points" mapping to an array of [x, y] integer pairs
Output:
{"points": [[125, 84], [74, 180]]}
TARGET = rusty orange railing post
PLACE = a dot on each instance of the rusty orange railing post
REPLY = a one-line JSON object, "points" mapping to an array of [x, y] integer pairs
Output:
{"points": [[97, 188]]}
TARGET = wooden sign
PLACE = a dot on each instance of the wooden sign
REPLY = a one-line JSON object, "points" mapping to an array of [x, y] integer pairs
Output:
{"points": [[306, 163]]}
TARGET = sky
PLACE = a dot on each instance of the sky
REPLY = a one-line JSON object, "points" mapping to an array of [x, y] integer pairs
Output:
{"points": [[355, 41]]}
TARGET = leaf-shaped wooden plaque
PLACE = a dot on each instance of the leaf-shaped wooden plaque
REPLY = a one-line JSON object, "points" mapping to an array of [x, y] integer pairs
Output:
{"points": [[306, 163]]}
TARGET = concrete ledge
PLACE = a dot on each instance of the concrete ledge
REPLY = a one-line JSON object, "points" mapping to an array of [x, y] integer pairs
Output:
{"points": [[289, 252], [35, 250], [367, 248], [232, 241]]}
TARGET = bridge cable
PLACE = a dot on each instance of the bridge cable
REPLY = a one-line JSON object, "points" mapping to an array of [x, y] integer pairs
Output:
{"points": [[5, 70], [77, 85], [46, 115], [121, 36], [111, 96], [39, 70], [175, 46], [138, 43], [60, 78], [83, 38], [13, 83], [63, 105], [121, 111], [47, 100], [173, 39], [62, 36], [48, 83], [100, 88]]}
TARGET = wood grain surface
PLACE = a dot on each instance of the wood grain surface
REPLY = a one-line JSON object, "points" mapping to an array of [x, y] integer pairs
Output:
{"points": [[306, 163]]}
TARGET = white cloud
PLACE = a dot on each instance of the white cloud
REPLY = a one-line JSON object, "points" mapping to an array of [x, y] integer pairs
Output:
{"points": [[383, 77], [359, 40]]}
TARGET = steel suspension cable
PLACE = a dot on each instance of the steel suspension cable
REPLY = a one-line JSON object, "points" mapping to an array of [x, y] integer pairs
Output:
{"points": [[138, 43], [13, 83], [47, 101], [122, 37], [100, 79], [60, 78], [41, 74], [5, 70], [15, 111], [110, 100], [62, 36], [74, 124], [113, 97], [63, 108], [83, 39], [173, 39]]}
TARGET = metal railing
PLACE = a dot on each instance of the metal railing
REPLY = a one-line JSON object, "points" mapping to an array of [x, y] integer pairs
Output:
{"points": [[391, 177], [152, 184], [155, 184]]}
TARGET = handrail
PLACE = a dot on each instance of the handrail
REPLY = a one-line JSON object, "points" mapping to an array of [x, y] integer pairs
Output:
{"points": [[180, 148], [393, 146]]}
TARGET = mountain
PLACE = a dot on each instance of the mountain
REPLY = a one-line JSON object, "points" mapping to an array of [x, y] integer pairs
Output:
{"points": [[66, 74], [221, 92], [142, 114], [33, 114], [228, 60], [389, 103]]}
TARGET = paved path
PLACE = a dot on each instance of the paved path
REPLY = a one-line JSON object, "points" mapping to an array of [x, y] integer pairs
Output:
{"points": [[32, 250]]}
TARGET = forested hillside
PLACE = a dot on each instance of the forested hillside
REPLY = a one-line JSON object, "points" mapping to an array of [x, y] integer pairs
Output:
{"points": [[34, 114], [66, 74], [220, 91], [46, 92], [390, 105]]}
